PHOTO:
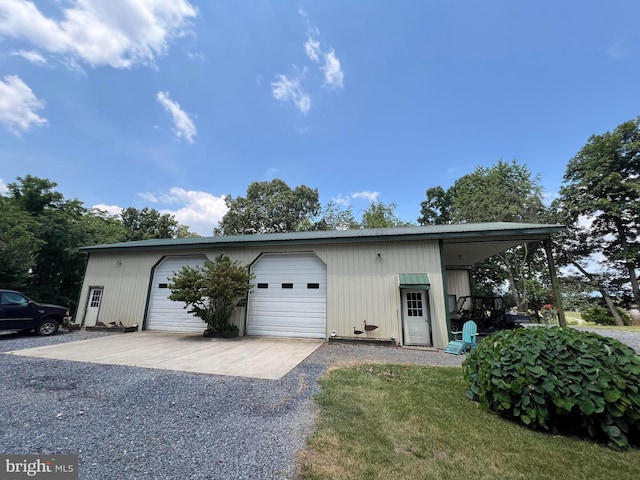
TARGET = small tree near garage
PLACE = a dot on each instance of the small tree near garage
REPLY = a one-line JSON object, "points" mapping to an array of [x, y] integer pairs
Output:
{"points": [[212, 292]]}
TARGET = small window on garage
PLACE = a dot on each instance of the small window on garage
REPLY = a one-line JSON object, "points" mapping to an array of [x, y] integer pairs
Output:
{"points": [[163, 285], [263, 285], [287, 285], [313, 285]]}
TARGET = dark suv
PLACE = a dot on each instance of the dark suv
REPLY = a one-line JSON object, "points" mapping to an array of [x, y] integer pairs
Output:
{"points": [[18, 312]]}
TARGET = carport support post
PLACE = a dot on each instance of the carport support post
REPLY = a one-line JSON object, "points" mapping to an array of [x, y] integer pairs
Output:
{"points": [[555, 286]]}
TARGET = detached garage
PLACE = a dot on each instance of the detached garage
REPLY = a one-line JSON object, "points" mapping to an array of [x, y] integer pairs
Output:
{"points": [[307, 284]]}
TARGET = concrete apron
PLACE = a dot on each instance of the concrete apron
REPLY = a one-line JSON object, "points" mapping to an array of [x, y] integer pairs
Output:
{"points": [[253, 357]]}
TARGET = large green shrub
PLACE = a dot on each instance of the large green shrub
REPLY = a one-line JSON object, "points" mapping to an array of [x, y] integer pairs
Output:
{"points": [[212, 291], [559, 380], [602, 316]]}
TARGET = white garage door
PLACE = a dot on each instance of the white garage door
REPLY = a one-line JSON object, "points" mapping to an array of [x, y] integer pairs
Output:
{"points": [[166, 315], [289, 298]]}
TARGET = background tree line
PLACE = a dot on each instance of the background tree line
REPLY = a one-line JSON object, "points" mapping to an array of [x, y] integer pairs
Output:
{"points": [[41, 232], [599, 202]]}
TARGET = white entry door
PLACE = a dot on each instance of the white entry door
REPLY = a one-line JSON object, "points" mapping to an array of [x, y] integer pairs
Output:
{"points": [[93, 307], [415, 317]]}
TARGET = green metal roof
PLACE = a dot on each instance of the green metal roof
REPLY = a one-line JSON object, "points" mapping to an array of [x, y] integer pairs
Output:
{"points": [[432, 232], [414, 280]]}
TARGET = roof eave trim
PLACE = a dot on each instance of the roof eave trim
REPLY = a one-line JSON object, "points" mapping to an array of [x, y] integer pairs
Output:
{"points": [[219, 242]]}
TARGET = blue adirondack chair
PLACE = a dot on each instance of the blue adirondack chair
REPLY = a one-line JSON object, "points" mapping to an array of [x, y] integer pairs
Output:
{"points": [[467, 340]]}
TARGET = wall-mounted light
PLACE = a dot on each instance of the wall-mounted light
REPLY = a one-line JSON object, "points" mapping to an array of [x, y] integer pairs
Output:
{"points": [[379, 256], [118, 263], [333, 333]]}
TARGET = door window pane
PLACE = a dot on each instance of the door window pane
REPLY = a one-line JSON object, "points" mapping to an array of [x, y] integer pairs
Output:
{"points": [[414, 304], [96, 296]]}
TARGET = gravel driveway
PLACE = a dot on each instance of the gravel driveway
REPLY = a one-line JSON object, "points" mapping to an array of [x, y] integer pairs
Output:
{"points": [[131, 423]]}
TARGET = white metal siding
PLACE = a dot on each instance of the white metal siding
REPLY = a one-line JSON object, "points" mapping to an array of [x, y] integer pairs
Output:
{"points": [[458, 283], [364, 286], [299, 311], [166, 315], [124, 277]]}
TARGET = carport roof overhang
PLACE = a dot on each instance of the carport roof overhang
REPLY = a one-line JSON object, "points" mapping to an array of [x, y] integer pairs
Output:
{"points": [[462, 253], [463, 244]]}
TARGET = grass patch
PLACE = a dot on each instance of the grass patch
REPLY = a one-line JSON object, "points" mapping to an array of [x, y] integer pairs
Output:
{"points": [[415, 422], [595, 326], [575, 319], [573, 316]]}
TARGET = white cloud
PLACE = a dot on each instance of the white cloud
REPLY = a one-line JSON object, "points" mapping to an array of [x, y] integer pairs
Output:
{"points": [[184, 126], [333, 76], [585, 222], [549, 197], [197, 56], [118, 33], [31, 56], [18, 106], [341, 200], [346, 199], [271, 173], [371, 196], [312, 45], [110, 209], [289, 90], [149, 197], [200, 211], [3, 187], [617, 51]]}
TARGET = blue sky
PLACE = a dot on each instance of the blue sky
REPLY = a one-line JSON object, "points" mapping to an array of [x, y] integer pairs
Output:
{"points": [[173, 104]]}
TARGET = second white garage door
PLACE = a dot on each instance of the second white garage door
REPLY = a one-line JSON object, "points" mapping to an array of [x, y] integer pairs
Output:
{"points": [[289, 298]]}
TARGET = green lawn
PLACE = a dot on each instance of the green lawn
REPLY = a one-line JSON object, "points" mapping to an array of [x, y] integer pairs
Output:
{"points": [[577, 316], [609, 327], [414, 422], [574, 319]]}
